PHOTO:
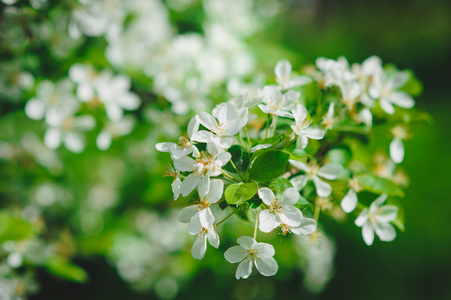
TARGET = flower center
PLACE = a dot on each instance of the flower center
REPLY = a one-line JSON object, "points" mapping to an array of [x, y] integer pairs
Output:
{"points": [[67, 124], [184, 142], [399, 132], [275, 208], [354, 184], [205, 163], [252, 255], [303, 124]]}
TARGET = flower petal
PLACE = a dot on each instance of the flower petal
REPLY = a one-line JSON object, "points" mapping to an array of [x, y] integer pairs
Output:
{"points": [[397, 150], [213, 237], [199, 246], [299, 182], [103, 140], [35, 109], [187, 213], [266, 195], [267, 221], [313, 133], [235, 254], [244, 269], [267, 266], [204, 186], [299, 165], [362, 219], [307, 227], [387, 213], [216, 190], [386, 232], [323, 189], [189, 184], [330, 171], [289, 197], [291, 216], [246, 242], [368, 234], [265, 249], [206, 217], [194, 226], [349, 202]]}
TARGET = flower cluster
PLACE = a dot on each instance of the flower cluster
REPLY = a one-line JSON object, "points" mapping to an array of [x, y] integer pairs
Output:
{"points": [[283, 165]]}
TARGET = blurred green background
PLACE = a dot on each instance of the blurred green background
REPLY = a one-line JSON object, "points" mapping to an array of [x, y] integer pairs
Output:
{"points": [[417, 265]]}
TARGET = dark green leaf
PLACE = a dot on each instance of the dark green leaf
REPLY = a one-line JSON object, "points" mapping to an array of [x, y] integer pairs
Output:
{"points": [[240, 192], [268, 165], [240, 158]]}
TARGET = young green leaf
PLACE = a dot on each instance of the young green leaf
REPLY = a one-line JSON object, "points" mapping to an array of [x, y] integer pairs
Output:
{"points": [[379, 185], [240, 192], [279, 185], [268, 165], [65, 269]]}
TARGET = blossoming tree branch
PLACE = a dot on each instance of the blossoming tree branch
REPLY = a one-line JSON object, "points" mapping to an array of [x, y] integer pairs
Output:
{"points": [[303, 145]]}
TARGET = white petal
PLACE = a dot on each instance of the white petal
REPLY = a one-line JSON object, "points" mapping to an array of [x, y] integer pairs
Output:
{"points": [[307, 227], [300, 165], [52, 138], [74, 142], [129, 101], [266, 195], [199, 246], [244, 269], [401, 99], [213, 237], [302, 142], [397, 150], [183, 164], [387, 213], [176, 187], [204, 186], [187, 213], [85, 92], [368, 234], [330, 171], [103, 140], [267, 266], [84, 122], [283, 69], [267, 221], [235, 254], [166, 147], [206, 218], [223, 158], [113, 112], [300, 113], [313, 133], [349, 202], [207, 120], [386, 232], [292, 216], [194, 226], [246, 242], [193, 127], [289, 197], [386, 106], [35, 109], [216, 190], [189, 184], [298, 81], [362, 219], [265, 250], [299, 182], [323, 189]]}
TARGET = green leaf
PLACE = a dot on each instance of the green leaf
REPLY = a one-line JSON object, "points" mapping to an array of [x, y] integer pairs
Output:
{"points": [[400, 219], [351, 126], [63, 268], [240, 192], [268, 165], [379, 185], [279, 185], [13, 228], [240, 158], [413, 85]]}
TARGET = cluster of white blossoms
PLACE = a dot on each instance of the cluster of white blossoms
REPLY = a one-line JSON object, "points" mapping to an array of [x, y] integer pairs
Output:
{"points": [[61, 106], [280, 165]]}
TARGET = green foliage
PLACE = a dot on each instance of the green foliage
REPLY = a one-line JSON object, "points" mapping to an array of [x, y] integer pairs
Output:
{"points": [[13, 228], [279, 185], [379, 185], [239, 192], [65, 269], [268, 165]]}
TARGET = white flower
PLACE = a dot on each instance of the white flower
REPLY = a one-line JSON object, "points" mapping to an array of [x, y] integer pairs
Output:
{"points": [[377, 219], [207, 164], [329, 120], [280, 210], [249, 251], [335, 72], [397, 150], [113, 92], [86, 78], [229, 121], [283, 73], [385, 88], [67, 129], [277, 103], [185, 145], [114, 130], [306, 227], [200, 242], [51, 100], [328, 171], [349, 202], [302, 129], [200, 216]]}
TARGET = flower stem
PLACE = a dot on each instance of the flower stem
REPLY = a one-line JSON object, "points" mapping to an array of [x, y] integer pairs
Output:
{"points": [[274, 124], [236, 169], [256, 224], [267, 127], [228, 216], [316, 213], [240, 138], [228, 175], [247, 137]]}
